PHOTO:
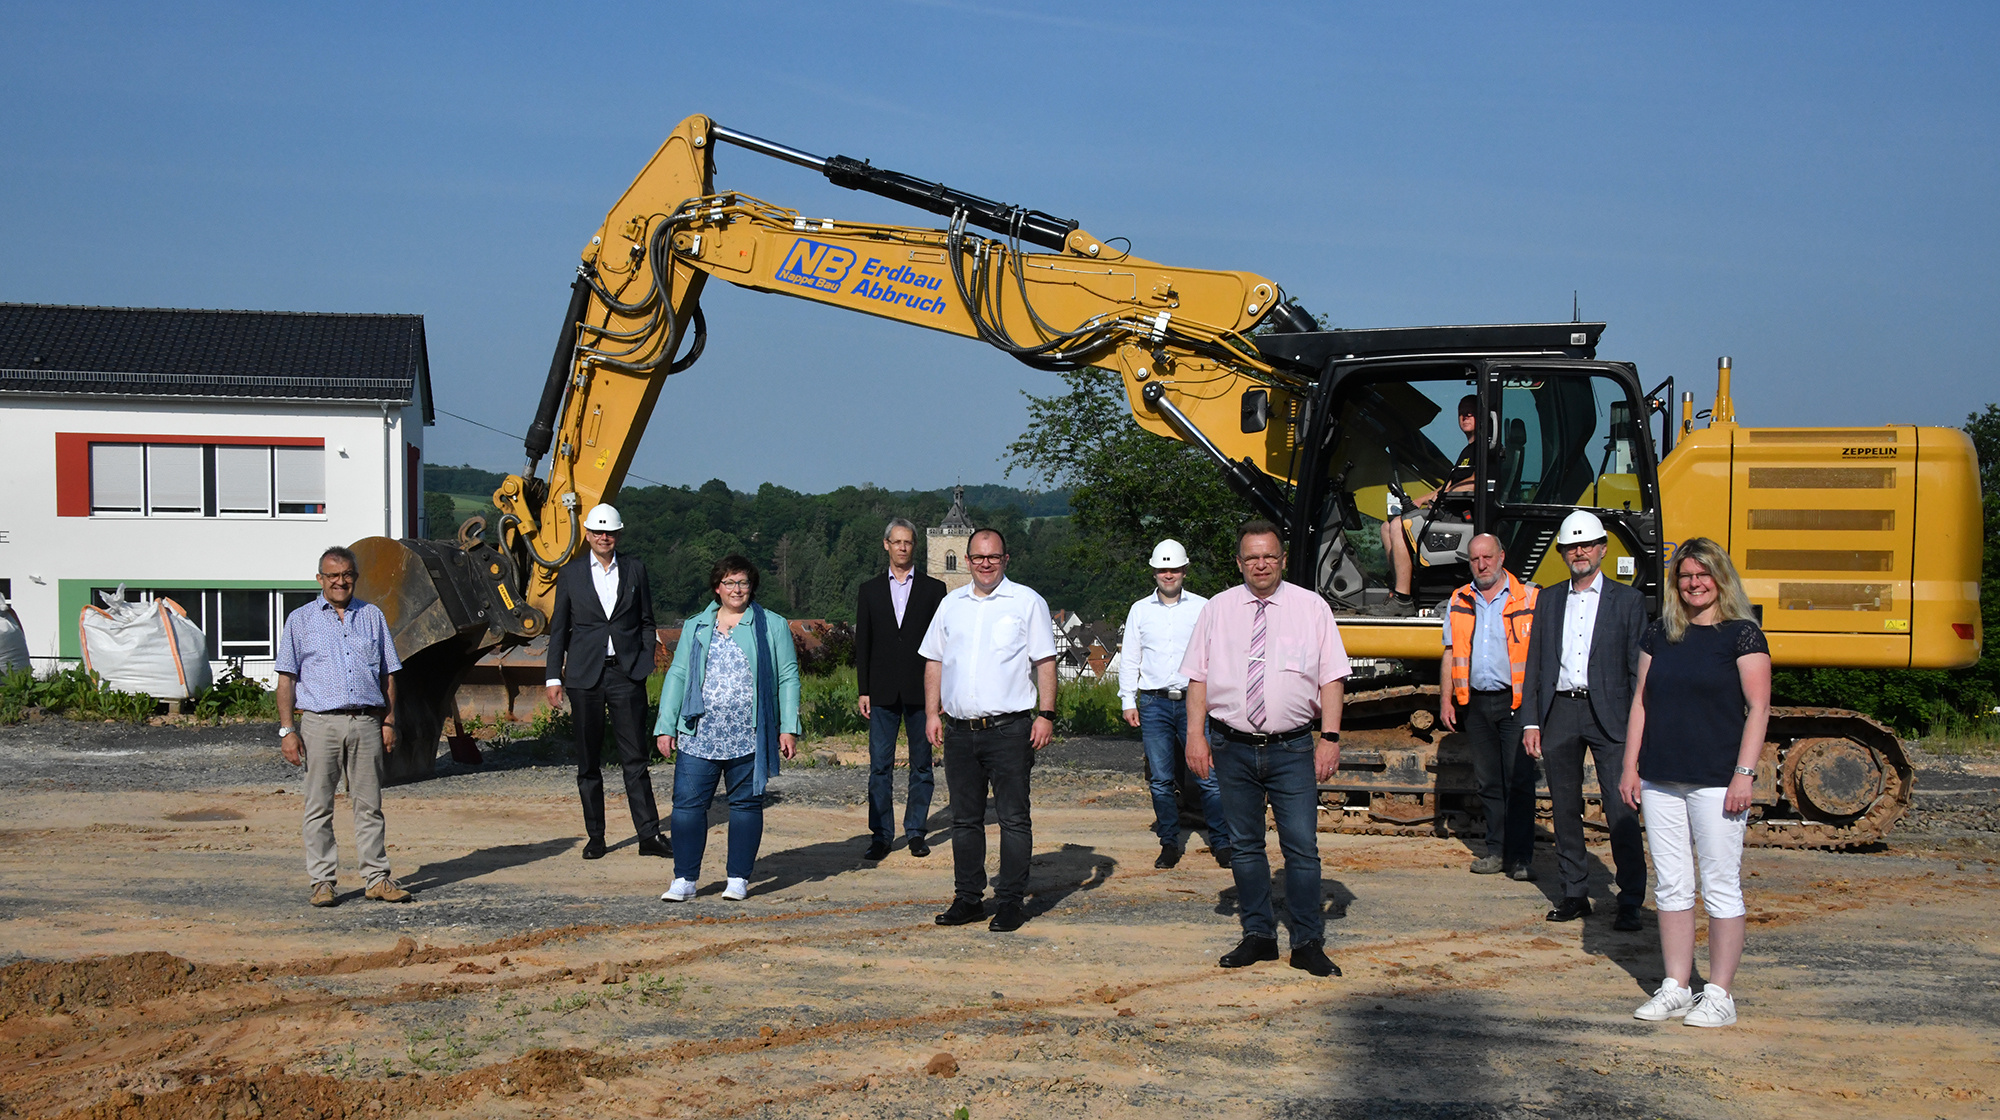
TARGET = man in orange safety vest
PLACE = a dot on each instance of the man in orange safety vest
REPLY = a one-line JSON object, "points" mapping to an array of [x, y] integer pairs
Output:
{"points": [[1486, 632]]}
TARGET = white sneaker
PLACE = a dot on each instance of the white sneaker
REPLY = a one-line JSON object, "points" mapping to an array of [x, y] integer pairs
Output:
{"points": [[1713, 1008], [737, 890], [1670, 1002], [681, 891]]}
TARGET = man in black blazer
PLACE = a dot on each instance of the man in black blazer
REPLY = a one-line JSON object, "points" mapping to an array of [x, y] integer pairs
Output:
{"points": [[1583, 662], [894, 611], [602, 626]]}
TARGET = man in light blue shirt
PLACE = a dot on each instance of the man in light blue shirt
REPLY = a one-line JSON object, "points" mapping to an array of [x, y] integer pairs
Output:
{"points": [[334, 662], [1153, 692]]}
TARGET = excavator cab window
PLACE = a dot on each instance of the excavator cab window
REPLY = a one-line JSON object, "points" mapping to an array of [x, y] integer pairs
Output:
{"points": [[1567, 438]]}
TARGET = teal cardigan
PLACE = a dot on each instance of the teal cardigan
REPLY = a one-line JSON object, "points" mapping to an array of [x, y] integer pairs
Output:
{"points": [[696, 633]]}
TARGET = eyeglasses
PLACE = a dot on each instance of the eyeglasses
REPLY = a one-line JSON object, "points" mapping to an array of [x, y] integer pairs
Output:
{"points": [[1573, 546], [985, 559], [1256, 560], [1690, 577], [337, 577], [736, 584]]}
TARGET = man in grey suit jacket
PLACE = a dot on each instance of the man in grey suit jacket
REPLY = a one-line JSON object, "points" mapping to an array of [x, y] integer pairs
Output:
{"points": [[1583, 662], [601, 650]]}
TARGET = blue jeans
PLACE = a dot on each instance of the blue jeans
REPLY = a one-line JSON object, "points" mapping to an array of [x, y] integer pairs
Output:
{"points": [[1163, 728], [1281, 774], [883, 720], [694, 791]]}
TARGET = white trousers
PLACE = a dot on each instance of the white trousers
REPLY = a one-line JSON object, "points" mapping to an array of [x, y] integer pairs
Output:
{"points": [[1684, 822]]}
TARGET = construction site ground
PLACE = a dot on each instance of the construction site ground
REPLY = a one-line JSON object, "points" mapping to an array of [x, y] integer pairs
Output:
{"points": [[160, 960]]}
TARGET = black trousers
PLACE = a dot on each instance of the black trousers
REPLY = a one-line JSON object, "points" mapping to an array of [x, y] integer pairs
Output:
{"points": [[1572, 728], [999, 757], [626, 699], [1504, 772]]}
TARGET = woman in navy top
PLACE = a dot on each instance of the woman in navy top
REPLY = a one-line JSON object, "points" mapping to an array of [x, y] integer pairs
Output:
{"points": [[1705, 675]]}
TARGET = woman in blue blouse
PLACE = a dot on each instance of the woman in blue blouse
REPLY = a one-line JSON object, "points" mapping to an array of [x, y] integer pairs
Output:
{"points": [[1705, 679], [730, 706]]}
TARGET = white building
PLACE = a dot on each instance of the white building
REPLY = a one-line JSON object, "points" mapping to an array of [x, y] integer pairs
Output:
{"points": [[209, 456]]}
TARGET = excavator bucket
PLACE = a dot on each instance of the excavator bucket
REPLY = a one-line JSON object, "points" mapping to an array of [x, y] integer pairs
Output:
{"points": [[448, 604]]}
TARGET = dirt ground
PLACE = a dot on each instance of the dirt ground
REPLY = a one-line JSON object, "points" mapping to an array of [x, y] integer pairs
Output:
{"points": [[160, 961]]}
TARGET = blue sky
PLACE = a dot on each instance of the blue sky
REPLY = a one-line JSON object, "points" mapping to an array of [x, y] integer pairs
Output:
{"points": [[1809, 188]]}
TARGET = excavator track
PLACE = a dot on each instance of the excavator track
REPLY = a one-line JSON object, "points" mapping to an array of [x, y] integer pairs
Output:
{"points": [[1828, 778]]}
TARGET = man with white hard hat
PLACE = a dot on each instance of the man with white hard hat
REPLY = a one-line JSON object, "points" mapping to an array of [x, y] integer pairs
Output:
{"points": [[1583, 662], [1154, 695], [602, 645]]}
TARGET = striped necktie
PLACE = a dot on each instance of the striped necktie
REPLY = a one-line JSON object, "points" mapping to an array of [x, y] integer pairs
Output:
{"points": [[1253, 689]]}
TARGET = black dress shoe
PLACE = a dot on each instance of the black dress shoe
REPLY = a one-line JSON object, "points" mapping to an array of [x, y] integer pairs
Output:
{"points": [[1170, 855], [919, 847], [1570, 909], [1249, 951], [1223, 856], [1311, 957], [879, 850], [656, 846], [1630, 918], [594, 849], [1008, 919], [962, 912]]}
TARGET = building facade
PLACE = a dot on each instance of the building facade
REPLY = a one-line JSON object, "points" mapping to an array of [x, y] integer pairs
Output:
{"points": [[206, 456]]}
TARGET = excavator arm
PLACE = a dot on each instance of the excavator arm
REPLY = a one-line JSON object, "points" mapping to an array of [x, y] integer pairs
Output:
{"points": [[1177, 336]]}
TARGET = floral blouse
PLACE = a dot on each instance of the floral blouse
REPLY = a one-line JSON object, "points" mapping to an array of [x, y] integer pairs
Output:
{"points": [[729, 692]]}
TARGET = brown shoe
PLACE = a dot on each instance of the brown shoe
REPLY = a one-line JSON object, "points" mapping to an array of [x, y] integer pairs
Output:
{"points": [[386, 890], [323, 894]]}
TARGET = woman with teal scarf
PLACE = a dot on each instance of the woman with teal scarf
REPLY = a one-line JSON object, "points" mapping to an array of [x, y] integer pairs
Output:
{"points": [[730, 707]]}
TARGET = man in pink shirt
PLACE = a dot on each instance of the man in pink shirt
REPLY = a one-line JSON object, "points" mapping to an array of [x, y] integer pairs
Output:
{"points": [[1265, 669]]}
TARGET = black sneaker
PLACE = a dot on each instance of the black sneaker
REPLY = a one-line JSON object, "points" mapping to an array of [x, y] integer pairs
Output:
{"points": [[962, 912], [877, 851], [1224, 856], [1249, 951], [919, 847], [1311, 957], [1009, 918], [1170, 855]]}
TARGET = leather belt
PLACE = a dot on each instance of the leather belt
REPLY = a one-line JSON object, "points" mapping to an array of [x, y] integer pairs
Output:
{"points": [[984, 722], [1574, 693], [343, 711], [1165, 693], [1256, 739]]}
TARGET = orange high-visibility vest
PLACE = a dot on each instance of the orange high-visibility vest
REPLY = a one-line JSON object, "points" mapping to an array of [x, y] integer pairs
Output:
{"points": [[1517, 615]]}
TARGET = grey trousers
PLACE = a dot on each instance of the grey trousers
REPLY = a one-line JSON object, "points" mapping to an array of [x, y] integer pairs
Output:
{"points": [[350, 746]]}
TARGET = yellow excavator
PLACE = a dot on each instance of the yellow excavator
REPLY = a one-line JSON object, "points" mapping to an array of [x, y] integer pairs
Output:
{"points": [[1860, 546]]}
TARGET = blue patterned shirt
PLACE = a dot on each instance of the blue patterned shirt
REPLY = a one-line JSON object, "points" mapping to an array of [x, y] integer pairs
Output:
{"points": [[339, 662], [729, 691]]}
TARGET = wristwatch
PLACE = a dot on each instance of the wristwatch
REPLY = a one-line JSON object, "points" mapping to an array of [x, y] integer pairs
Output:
{"points": [[1330, 736], [1747, 771], [284, 731], [1046, 714]]}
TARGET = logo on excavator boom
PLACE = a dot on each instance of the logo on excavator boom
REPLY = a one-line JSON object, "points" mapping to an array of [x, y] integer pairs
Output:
{"points": [[817, 265]]}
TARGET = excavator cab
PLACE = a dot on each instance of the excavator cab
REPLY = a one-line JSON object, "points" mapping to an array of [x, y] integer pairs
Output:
{"points": [[1554, 429]]}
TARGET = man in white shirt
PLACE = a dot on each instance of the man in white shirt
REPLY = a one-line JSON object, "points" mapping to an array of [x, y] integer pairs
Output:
{"points": [[1583, 662], [989, 702], [1153, 692]]}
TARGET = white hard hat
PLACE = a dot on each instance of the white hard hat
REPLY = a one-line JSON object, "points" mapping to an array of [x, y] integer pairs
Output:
{"points": [[1169, 554], [604, 519], [1580, 527]]}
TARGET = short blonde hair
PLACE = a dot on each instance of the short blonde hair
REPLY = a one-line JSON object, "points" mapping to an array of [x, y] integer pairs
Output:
{"points": [[1731, 603]]}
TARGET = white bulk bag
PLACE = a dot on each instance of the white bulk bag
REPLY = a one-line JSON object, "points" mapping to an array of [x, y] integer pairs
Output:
{"points": [[13, 643], [146, 647]]}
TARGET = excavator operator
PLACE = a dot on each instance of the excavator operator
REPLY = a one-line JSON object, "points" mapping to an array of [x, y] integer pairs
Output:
{"points": [[1396, 531]]}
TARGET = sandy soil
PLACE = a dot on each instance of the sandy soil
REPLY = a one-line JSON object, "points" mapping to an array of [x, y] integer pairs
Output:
{"points": [[161, 961]]}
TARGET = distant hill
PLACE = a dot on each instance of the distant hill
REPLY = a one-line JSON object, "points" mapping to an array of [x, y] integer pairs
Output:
{"points": [[1054, 503]]}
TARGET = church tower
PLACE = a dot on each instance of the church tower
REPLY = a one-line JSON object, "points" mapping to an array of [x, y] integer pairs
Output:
{"points": [[946, 544]]}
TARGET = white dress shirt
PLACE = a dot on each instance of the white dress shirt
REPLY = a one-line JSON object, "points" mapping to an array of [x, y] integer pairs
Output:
{"points": [[1579, 623], [988, 647], [1156, 638]]}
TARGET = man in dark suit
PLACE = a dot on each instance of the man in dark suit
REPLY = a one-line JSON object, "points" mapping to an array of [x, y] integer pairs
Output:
{"points": [[1583, 662], [889, 623], [602, 626]]}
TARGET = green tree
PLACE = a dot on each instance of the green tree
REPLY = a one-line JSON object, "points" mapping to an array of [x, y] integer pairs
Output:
{"points": [[440, 516], [1918, 700], [1128, 489]]}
